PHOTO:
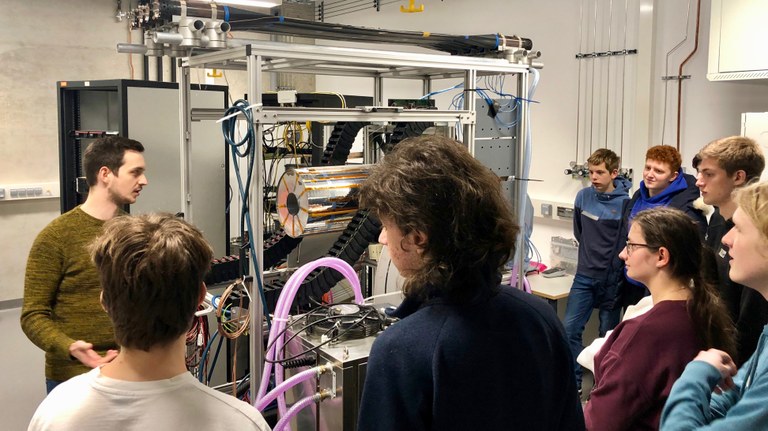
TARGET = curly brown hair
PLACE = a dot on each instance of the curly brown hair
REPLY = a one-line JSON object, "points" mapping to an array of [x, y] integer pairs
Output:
{"points": [[665, 154], [431, 184]]}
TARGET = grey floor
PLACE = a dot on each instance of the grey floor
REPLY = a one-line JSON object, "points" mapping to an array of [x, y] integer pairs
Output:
{"points": [[23, 382]]}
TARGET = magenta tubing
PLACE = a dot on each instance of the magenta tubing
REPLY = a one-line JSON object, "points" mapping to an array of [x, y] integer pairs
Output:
{"points": [[281, 312], [293, 287], [300, 405], [288, 384]]}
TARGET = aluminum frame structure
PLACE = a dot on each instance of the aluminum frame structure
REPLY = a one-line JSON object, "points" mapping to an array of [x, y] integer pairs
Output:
{"points": [[260, 57]]}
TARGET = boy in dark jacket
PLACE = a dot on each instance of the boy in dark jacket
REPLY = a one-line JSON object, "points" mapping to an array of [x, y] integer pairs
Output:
{"points": [[468, 353], [726, 165]]}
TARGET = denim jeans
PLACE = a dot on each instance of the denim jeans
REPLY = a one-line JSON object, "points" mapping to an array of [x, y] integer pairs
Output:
{"points": [[50, 384], [581, 301]]}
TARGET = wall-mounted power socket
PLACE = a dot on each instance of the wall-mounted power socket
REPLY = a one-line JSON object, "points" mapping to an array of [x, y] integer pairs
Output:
{"points": [[564, 212], [16, 192], [546, 210]]}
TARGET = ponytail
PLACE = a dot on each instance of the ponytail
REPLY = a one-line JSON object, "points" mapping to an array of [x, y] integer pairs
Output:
{"points": [[707, 310]]}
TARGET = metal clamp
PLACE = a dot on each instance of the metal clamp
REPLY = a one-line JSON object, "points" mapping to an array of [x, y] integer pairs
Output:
{"points": [[675, 77], [606, 53]]}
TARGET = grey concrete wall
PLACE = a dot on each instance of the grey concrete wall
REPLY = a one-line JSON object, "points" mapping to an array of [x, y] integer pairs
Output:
{"points": [[42, 42]]}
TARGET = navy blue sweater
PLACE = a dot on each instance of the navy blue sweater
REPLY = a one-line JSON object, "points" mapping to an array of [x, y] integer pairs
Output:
{"points": [[596, 223], [499, 362]]}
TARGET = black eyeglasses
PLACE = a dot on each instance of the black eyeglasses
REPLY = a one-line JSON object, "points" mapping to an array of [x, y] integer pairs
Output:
{"points": [[631, 246]]}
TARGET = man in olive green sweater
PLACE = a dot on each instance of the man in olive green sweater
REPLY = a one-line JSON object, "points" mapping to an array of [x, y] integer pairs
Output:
{"points": [[61, 313]]}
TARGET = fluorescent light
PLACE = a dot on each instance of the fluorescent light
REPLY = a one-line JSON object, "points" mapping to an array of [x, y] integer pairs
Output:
{"points": [[252, 3]]}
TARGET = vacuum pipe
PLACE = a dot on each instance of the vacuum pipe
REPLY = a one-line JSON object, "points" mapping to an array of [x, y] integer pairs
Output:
{"points": [[166, 37], [131, 48]]}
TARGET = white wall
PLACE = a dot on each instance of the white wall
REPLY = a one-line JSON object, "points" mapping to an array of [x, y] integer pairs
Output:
{"points": [[42, 42], [711, 110]]}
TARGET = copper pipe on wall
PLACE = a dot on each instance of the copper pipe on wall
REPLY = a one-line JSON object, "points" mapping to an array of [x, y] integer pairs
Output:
{"points": [[680, 73]]}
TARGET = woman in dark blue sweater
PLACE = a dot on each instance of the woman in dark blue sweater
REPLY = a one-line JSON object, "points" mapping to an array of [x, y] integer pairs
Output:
{"points": [[467, 352]]}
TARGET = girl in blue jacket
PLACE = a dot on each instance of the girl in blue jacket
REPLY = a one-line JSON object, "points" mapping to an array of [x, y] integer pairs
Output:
{"points": [[711, 394]]}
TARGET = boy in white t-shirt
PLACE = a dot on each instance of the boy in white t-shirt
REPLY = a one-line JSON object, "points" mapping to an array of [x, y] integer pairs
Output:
{"points": [[151, 269]]}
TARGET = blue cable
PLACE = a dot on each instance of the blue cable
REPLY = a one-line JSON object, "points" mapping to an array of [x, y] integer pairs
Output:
{"points": [[215, 357], [228, 128], [426, 96], [201, 371]]}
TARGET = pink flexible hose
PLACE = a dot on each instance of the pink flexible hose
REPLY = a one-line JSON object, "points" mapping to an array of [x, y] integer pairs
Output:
{"points": [[281, 314]]}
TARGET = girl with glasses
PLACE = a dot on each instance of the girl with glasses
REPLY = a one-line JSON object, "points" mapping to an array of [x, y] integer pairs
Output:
{"points": [[635, 369]]}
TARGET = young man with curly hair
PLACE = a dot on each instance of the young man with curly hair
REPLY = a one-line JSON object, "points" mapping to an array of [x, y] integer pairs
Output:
{"points": [[467, 353]]}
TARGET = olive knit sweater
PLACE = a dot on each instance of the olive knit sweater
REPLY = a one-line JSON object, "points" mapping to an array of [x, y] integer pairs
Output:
{"points": [[61, 294]]}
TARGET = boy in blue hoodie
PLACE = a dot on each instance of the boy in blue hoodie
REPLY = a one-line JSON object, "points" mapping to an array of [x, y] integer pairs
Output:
{"points": [[664, 184], [596, 223]]}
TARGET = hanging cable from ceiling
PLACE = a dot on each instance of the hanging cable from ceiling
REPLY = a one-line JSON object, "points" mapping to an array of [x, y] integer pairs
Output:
{"points": [[608, 72], [623, 78], [598, 120], [578, 90], [594, 72]]}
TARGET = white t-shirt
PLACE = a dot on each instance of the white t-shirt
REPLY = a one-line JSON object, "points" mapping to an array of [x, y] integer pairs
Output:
{"points": [[92, 401], [587, 356]]}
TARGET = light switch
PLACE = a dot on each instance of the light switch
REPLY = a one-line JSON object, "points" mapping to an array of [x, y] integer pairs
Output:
{"points": [[546, 210]]}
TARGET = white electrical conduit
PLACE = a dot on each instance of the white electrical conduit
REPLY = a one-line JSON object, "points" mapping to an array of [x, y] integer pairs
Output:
{"points": [[666, 71]]}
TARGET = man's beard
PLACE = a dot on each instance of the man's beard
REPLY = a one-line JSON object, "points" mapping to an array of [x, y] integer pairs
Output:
{"points": [[119, 200]]}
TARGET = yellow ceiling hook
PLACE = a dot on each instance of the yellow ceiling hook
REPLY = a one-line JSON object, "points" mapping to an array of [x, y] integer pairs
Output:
{"points": [[411, 7], [214, 74]]}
